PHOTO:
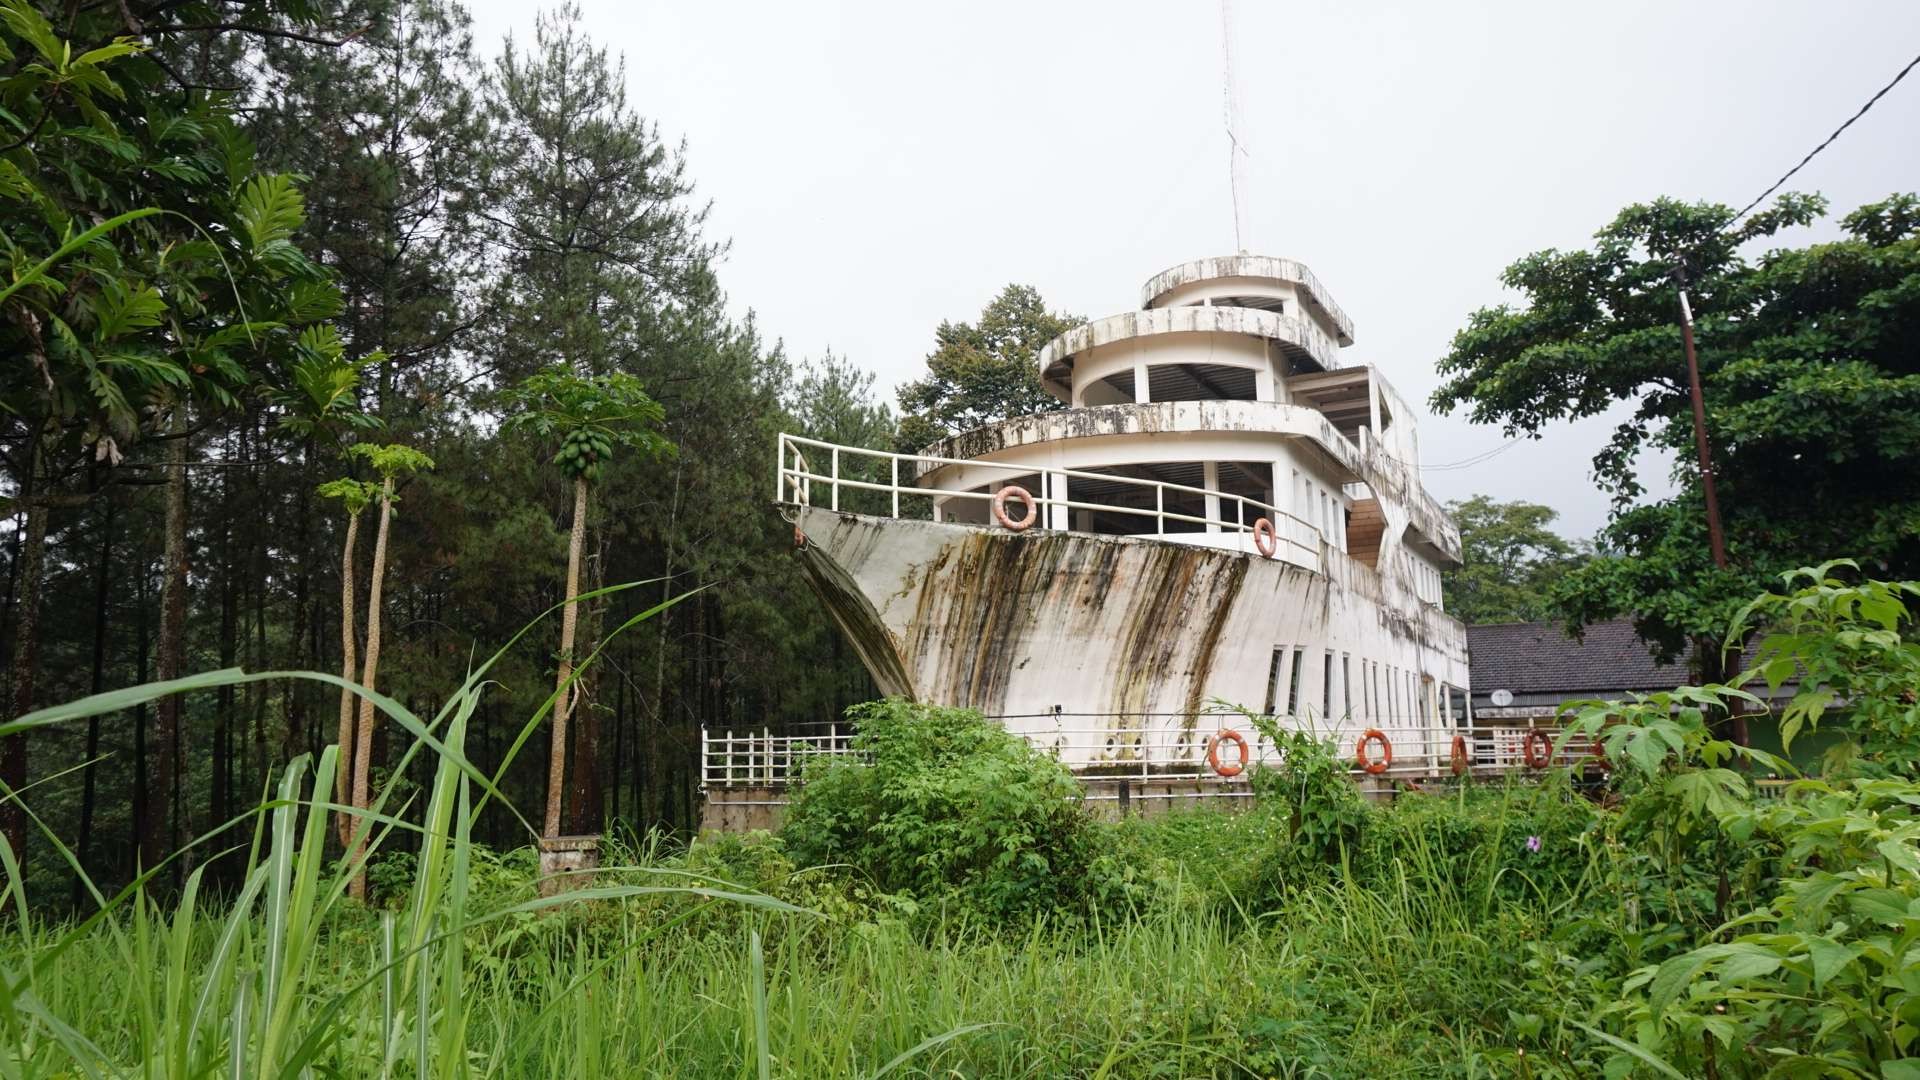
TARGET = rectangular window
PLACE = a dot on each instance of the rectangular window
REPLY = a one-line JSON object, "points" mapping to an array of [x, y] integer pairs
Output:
{"points": [[1293, 684], [1393, 704], [1346, 685], [1273, 678], [1326, 685]]}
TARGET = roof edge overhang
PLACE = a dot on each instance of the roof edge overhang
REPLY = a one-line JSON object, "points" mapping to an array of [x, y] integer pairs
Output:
{"points": [[1301, 341], [1289, 271]]}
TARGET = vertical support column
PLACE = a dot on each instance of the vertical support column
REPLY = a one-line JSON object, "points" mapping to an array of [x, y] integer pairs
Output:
{"points": [[1058, 516], [1373, 403], [1210, 473], [1142, 392], [895, 462]]}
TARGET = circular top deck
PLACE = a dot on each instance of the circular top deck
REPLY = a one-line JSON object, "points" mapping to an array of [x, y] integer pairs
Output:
{"points": [[1311, 291]]}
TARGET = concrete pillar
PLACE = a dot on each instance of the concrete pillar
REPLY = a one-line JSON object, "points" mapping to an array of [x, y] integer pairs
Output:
{"points": [[1057, 516], [1210, 473], [1373, 403], [1142, 393]]}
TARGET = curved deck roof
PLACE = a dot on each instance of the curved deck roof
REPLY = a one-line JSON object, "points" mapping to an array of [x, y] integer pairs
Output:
{"points": [[1312, 292]]}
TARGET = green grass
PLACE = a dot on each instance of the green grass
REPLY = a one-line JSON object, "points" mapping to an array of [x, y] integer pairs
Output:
{"points": [[1406, 975], [1412, 958], [1342, 983]]}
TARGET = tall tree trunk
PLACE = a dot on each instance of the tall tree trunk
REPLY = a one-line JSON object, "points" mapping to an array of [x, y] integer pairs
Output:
{"points": [[226, 699], [587, 809], [141, 643], [158, 840], [26, 650], [97, 683], [369, 671], [258, 576], [349, 655], [569, 621], [619, 739], [294, 701]]}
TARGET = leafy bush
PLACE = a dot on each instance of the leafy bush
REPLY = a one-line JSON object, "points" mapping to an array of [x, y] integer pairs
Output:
{"points": [[1816, 978], [1519, 842], [941, 803]]}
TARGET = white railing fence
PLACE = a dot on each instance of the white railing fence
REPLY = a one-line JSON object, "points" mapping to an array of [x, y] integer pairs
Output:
{"points": [[1155, 750], [1231, 515]]}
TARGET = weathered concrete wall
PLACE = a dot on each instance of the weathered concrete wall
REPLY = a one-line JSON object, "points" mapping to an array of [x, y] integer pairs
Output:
{"points": [[1181, 283], [1301, 336], [1017, 624], [742, 809], [738, 810]]}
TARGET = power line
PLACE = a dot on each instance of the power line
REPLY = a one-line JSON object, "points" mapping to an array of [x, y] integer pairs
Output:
{"points": [[1483, 456], [1715, 534], [1911, 64]]}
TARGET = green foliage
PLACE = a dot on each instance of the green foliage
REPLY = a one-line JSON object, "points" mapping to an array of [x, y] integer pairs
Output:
{"points": [[1795, 346], [1679, 926], [1312, 786], [589, 415], [1848, 649], [355, 495], [148, 259], [1511, 559], [982, 372], [943, 804], [391, 460]]}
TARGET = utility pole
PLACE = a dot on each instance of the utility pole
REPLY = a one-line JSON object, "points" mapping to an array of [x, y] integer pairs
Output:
{"points": [[1716, 538]]}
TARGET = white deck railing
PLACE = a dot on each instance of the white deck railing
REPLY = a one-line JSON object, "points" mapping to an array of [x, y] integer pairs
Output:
{"points": [[1231, 524], [1154, 751]]}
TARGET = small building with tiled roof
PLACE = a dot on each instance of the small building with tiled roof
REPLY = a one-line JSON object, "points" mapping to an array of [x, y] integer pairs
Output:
{"points": [[1542, 667]]}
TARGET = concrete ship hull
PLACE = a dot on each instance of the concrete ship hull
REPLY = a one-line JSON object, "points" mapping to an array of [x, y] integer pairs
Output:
{"points": [[1146, 634]]}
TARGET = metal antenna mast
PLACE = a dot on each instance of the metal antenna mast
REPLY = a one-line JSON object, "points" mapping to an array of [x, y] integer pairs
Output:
{"points": [[1230, 108]]}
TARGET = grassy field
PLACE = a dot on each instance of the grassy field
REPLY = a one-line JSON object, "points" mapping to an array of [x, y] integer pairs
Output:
{"points": [[941, 906], [1342, 980]]}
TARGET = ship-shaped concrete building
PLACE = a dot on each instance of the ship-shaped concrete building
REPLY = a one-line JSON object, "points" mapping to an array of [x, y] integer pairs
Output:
{"points": [[1220, 513]]}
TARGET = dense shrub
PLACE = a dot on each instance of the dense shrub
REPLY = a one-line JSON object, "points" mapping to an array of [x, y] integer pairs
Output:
{"points": [[1514, 841], [945, 805]]}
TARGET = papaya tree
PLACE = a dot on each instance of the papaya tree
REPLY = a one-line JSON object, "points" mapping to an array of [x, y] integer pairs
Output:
{"points": [[590, 416], [355, 496], [391, 461]]}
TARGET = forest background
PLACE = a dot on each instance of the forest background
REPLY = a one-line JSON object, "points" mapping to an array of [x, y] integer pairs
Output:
{"points": [[486, 216]]}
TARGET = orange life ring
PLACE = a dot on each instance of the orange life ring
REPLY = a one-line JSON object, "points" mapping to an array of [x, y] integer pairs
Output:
{"points": [[1459, 760], [1538, 749], [1367, 764], [1599, 751], [1265, 541], [1225, 735], [1014, 491]]}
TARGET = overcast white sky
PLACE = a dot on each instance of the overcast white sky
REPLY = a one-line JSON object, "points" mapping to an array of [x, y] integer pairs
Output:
{"points": [[880, 167]]}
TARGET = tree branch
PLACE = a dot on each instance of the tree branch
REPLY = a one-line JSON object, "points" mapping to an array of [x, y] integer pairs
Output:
{"points": [[261, 31]]}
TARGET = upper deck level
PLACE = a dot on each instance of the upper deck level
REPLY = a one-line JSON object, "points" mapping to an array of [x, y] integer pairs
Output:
{"points": [[1216, 410], [1233, 328]]}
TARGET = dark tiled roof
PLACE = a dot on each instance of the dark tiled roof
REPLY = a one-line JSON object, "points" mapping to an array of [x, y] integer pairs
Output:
{"points": [[1541, 658]]}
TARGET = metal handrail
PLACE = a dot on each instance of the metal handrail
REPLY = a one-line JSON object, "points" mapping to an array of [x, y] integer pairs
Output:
{"points": [[763, 759], [798, 477]]}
